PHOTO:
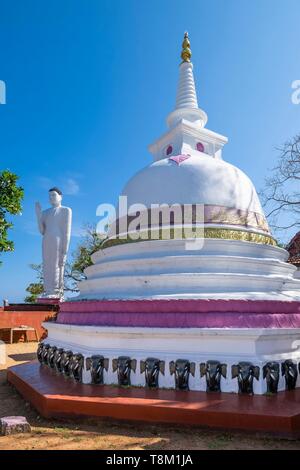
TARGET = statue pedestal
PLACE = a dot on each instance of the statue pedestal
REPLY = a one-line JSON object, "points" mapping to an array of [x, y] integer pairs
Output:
{"points": [[51, 301]]}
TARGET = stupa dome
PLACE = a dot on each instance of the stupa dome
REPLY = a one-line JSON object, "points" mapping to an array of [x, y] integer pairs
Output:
{"points": [[226, 192]]}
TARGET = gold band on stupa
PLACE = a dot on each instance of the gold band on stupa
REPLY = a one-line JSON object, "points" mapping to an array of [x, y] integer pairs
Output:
{"points": [[172, 234]]}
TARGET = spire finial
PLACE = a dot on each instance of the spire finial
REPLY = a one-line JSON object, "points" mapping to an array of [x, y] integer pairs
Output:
{"points": [[186, 52]]}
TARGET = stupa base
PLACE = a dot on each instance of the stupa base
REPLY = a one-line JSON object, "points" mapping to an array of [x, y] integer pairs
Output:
{"points": [[54, 396], [262, 335], [229, 346]]}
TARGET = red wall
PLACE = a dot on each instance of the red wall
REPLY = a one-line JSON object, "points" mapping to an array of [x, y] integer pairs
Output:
{"points": [[30, 318]]}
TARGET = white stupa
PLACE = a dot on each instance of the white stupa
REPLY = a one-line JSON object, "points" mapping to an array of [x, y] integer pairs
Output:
{"points": [[239, 258], [230, 298]]}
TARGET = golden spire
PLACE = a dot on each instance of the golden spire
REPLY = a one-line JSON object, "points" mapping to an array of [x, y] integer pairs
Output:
{"points": [[186, 52]]}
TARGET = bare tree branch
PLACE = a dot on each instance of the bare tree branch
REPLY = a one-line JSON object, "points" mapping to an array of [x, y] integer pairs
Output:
{"points": [[281, 193]]}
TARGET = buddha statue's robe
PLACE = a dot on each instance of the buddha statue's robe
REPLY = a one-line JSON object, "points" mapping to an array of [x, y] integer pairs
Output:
{"points": [[55, 226]]}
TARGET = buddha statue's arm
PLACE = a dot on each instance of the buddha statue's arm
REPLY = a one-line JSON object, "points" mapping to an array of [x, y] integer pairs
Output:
{"points": [[39, 216], [66, 235]]}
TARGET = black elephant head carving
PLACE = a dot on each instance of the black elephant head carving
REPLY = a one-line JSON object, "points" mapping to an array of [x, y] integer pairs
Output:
{"points": [[40, 351], [66, 363], [124, 365], [182, 369], [51, 355], [152, 367], [96, 364], [245, 372], [57, 359], [45, 353], [76, 367], [213, 371], [271, 374], [289, 370]]}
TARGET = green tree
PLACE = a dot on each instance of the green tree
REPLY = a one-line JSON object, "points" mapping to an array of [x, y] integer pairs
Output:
{"points": [[74, 270], [11, 196], [89, 244], [35, 289]]}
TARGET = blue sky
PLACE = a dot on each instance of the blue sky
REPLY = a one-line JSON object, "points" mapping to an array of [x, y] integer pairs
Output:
{"points": [[90, 83]]}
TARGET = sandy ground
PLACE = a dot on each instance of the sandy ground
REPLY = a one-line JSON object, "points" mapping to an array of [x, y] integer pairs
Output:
{"points": [[52, 434]]}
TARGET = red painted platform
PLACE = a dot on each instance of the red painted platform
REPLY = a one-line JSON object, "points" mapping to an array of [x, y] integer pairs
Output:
{"points": [[55, 396]]}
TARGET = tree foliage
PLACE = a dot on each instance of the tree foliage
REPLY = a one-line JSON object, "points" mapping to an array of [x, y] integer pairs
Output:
{"points": [[11, 196], [35, 289], [90, 243]]}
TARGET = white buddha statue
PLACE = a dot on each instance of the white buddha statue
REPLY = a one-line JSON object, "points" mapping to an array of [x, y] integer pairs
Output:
{"points": [[55, 226]]}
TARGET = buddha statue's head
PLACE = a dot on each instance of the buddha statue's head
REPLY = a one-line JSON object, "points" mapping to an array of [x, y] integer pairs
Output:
{"points": [[55, 197]]}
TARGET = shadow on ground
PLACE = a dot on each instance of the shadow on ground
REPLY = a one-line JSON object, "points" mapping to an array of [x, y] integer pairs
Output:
{"points": [[23, 357]]}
